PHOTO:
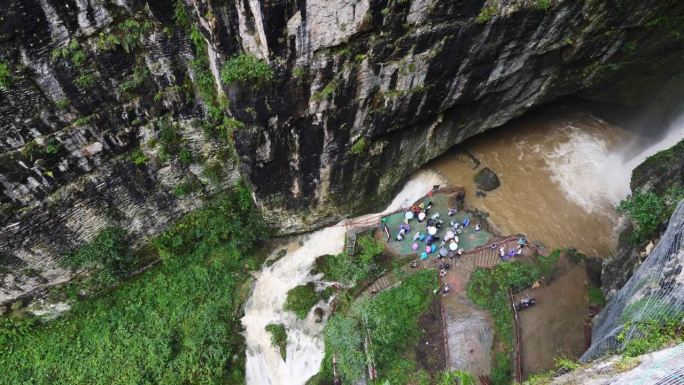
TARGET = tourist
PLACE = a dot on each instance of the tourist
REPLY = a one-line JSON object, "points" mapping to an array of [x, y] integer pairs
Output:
{"points": [[400, 237], [502, 251], [477, 227], [452, 212], [414, 246], [414, 264], [416, 236], [442, 273], [429, 239], [493, 246], [466, 222], [434, 216]]}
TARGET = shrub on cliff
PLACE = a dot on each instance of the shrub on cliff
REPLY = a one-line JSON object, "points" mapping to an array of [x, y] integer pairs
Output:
{"points": [[646, 210], [246, 68]]}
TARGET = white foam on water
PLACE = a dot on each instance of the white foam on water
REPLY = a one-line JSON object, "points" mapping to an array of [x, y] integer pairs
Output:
{"points": [[593, 175], [265, 306]]}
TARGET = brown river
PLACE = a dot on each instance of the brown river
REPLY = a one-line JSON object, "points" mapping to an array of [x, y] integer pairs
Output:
{"points": [[556, 178]]}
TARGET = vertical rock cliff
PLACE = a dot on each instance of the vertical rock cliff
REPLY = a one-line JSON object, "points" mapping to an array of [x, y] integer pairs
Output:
{"points": [[130, 113]]}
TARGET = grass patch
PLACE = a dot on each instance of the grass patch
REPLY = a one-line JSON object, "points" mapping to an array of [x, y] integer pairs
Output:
{"points": [[278, 338], [176, 324]]}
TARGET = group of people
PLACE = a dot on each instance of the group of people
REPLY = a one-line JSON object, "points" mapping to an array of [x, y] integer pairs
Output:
{"points": [[443, 246], [507, 254]]}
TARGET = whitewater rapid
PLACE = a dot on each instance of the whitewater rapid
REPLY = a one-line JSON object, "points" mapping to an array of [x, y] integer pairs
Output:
{"points": [[265, 306], [596, 175]]}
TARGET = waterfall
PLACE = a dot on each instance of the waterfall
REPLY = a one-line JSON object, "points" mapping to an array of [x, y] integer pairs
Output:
{"points": [[265, 306], [596, 176]]}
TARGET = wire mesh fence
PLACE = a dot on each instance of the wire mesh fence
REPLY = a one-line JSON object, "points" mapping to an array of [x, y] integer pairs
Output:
{"points": [[654, 294]]}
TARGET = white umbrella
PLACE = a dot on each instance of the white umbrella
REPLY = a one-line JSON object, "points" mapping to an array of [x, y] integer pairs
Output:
{"points": [[453, 246], [409, 215], [449, 235], [432, 230]]}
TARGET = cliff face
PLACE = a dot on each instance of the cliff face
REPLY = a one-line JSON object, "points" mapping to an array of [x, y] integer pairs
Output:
{"points": [[657, 174], [115, 113]]}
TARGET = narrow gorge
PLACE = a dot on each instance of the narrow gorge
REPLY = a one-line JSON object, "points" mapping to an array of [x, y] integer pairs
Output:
{"points": [[173, 172]]}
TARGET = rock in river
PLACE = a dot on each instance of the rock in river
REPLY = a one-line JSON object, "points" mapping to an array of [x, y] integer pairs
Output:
{"points": [[487, 180]]}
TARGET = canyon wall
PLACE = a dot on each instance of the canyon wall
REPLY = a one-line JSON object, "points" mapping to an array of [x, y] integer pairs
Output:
{"points": [[115, 113]]}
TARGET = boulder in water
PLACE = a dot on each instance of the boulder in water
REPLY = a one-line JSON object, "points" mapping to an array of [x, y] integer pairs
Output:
{"points": [[319, 313], [487, 180]]}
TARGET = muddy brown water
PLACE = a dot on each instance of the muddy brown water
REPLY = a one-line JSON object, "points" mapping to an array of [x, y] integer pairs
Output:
{"points": [[554, 327], [535, 158], [551, 190]]}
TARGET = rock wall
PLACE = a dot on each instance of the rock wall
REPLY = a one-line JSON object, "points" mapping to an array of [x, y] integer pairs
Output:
{"points": [[657, 174], [361, 96]]}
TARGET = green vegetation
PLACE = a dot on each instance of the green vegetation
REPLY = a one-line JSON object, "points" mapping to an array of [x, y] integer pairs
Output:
{"points": [[188, 186], [136, 79], [301, 299], [391, 319], [176, 324], [543, 378], [72, 52], [5, 75], [487, 14], [652, 335], [456, 377], [85, 80], [32, 150], [246, 68], [353, 269], [52, 146], [359, 147], [180, 15], [108, 254], [543, 5], [169, 139], [649, 210], [278, 338], [138, 157], [326, 92], [564, 364], [489, 288], [299, 72], [127, 35], [62, 104], [596, 297], [81, 121]]}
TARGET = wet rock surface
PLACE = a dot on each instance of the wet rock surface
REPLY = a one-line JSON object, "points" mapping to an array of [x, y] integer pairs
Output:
{"points": [[487, 180], [80, 128]]}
